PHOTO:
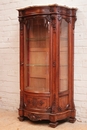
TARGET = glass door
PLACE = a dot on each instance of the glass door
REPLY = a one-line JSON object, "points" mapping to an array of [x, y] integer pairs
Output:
{"points": [[36, 55]]}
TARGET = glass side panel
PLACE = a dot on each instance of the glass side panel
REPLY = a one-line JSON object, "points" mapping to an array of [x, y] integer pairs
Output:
{"points": [[36, 68], [63, 56]]}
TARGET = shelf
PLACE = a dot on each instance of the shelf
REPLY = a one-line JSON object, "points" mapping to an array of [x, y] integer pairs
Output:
{"points": [[38, 65], [39, 49], [39, 76], [63, 38], [37, 39]]}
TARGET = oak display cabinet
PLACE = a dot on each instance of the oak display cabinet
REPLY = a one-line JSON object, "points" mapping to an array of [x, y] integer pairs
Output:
{"points": [[46, 63]]}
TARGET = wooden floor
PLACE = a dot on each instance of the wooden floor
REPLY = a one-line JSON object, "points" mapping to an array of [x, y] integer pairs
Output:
{"points": [[9, 121]]}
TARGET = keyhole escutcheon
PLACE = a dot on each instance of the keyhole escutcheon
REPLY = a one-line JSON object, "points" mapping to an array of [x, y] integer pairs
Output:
{"points": [[54, 63]]}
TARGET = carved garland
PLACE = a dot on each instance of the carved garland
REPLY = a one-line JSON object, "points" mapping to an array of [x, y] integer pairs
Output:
{"points": [[74, 19], [59, 17], [53, 22], [68, 19]]}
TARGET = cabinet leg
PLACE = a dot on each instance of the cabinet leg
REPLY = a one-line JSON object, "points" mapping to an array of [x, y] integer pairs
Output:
{"points": [[71, 119], [53, 124], [21, 118]]}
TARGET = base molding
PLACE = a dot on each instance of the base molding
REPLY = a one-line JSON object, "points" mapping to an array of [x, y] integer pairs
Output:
{"points": [[54, 119]]}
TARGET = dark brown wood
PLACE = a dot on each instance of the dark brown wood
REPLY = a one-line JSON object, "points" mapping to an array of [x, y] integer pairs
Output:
{"points": [[53, 124], [46, 63], [21, 118], [72, 120]]}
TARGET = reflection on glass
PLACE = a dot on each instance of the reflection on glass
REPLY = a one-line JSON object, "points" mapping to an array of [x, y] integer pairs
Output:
{"points": [[63, 56], [36, 57]]}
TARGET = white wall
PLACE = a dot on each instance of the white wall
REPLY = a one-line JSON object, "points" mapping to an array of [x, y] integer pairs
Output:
{"points": [[9, 53]]}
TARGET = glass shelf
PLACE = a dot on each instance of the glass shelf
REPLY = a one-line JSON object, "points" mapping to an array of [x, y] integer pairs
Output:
{"points": [[38, 39], [36, 65], [63, 65]]}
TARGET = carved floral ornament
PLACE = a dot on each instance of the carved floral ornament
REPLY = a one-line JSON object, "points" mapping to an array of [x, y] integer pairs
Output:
{"points": [[33, 117], [35, 102]]}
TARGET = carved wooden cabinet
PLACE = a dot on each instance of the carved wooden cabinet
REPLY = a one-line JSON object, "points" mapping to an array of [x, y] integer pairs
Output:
{"points": [[46, 63]]}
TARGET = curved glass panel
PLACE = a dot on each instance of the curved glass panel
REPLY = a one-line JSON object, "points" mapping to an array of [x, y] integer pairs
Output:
{"points": [[63, 56]]}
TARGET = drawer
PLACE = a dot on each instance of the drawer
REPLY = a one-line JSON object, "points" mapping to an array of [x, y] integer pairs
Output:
{"points": [[36, 102]]}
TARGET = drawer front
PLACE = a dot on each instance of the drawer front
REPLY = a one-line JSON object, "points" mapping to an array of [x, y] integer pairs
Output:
{"points": [[36, 102]]}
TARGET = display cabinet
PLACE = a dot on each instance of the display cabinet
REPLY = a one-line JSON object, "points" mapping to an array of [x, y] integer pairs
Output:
{"points": [[47, 63]]}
